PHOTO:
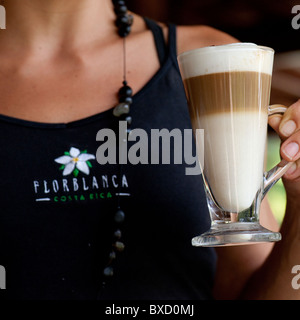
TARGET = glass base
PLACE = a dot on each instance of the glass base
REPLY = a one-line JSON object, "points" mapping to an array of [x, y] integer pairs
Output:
{"points": [[235, 233]]}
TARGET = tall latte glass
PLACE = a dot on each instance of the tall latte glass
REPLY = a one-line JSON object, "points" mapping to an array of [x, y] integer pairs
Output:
{"points": [[228, 92]]}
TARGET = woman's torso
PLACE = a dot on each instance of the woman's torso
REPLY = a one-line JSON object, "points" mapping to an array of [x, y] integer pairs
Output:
{"points": [[55, 230]]}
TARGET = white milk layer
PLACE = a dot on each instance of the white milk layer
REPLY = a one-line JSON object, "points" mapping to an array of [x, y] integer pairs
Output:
{"points": [[226, 58], [234, 149]]}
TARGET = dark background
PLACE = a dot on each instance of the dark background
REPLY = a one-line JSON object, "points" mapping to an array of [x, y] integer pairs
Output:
{"points": [[264, 22]]}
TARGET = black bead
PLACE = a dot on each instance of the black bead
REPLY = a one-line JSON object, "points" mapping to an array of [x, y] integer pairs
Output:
{"points": [[124, 20], [125, 92], [118, 3], [119, 216], [108, 272], [130, 19], [127, 100], [124, 31], [118, 234], [112, 256], [129, 120], [120, 9], [121, 20]]}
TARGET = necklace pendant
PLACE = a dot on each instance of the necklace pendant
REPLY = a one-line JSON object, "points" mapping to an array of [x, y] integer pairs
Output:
{"points": [[120, 109]]}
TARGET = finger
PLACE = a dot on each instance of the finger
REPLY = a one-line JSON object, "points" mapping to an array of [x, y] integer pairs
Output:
{"points": [[290, 121], [293, 172], [274, 122], [290, 148], [292, 176]]}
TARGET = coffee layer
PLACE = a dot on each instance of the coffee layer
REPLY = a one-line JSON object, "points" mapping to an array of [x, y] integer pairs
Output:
{"points": [[234, 149], [228, 92], [226, 58]]}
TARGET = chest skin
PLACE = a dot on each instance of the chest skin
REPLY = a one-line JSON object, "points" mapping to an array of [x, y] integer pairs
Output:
{"points": [[70, 85]]}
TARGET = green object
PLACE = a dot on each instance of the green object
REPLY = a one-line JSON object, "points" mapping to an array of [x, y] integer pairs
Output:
{"points": [[277, 195]]}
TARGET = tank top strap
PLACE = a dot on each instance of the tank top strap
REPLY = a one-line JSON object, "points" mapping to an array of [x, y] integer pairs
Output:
{"points": [[173, 43], [161, 47]]}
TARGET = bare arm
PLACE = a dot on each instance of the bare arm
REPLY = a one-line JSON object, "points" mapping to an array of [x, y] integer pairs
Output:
{"points": [[273, 279], [259, 271], [236, 264], [200, 36]]}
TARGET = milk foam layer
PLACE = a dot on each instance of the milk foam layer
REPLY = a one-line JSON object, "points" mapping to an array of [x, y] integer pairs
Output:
{"points": [[226, 58], [234, 156]]}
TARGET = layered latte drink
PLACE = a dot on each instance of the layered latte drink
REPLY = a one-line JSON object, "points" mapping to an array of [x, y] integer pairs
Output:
{"points": [[228, 92], [228, 95]]}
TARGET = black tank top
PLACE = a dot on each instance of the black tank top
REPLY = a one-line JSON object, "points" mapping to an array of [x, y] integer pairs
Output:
{"points": [[56, 219]]}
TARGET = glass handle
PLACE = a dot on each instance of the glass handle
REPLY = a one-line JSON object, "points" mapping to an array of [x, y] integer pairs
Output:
{"points": [[276, 109], [273, 175]]}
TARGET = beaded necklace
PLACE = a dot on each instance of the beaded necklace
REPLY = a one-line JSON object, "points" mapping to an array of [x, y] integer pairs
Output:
{"points": [[121, 112]]}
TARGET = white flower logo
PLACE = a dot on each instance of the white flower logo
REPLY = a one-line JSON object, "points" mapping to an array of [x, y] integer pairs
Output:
{"points": [[75, 161]]}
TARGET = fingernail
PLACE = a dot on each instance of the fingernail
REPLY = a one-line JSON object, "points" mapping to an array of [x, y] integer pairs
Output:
{"points": [[274, 121], [292, 169], [288, 128], [291, 149]]}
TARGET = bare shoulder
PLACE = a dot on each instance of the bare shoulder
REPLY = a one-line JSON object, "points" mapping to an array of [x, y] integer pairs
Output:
{"points": [[192, 37]]}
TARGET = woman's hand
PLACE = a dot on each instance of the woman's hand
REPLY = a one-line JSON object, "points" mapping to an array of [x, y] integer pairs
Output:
{"points": [[288, 129]]}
